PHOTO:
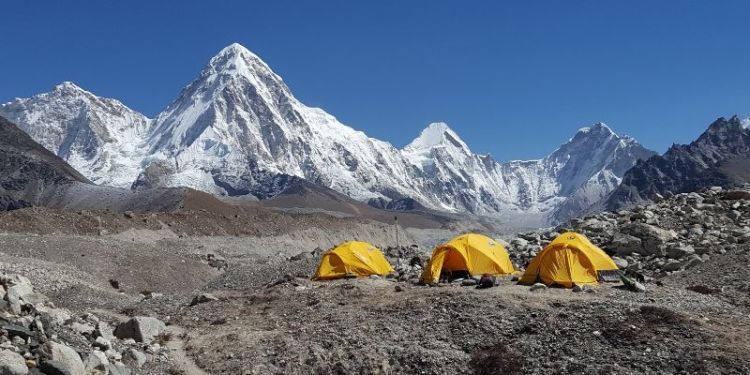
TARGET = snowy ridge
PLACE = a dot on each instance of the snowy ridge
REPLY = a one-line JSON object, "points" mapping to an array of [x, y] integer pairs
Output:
{"points": [[100, 137], [237, 127]]}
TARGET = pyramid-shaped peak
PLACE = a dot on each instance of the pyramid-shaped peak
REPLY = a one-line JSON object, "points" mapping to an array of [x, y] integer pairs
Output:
{"points": [[68, 86], [598, 128], [435, 135], [235, 49]]}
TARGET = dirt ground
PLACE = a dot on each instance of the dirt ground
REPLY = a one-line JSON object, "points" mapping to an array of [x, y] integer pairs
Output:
{"points": [[271, 319]]}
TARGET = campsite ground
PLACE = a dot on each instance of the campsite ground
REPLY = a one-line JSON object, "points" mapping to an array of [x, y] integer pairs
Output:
{"points": [[270, 318]]}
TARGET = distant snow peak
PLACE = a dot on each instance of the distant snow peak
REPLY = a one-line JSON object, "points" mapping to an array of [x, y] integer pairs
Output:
{"points": [[68, 86], [598, 128], [746, 123], [434, 135]]}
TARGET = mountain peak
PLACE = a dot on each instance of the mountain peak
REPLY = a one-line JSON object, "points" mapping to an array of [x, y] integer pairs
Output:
{"points": [[598, 128], [434, 135], [235, 49], [235, 58], [67, 86]]}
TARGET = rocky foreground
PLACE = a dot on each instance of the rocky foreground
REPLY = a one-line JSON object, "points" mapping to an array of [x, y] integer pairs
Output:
{"points": [[228, 310]]}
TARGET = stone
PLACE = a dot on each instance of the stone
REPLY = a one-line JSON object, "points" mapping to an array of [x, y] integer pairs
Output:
{"points": [[18, 292], [54, 317], [652, 237], [578, 288], [112, 354], [2, 292], [12, 363], [55, 368], [691, 261], [537, 286], [82, 328], [118, 368], [153, 348], [96, 360], [102, 343], [141, 329], [469, 282], [680, 251], [672, 265], [633, 285], [625, 244], [16, 330], [66, 356], [735, 194], [519, 243], [203, 298], [138, 357], [104, 330], [620, 263]]}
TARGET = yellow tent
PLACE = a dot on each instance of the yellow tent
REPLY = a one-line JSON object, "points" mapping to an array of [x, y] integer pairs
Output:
{"points": [[474, 253], [352, 259], [570, 259]]}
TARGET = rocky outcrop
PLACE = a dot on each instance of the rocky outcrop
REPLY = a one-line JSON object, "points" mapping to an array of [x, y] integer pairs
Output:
{"points": [[29, 173], [719, 157], [34, 334]]}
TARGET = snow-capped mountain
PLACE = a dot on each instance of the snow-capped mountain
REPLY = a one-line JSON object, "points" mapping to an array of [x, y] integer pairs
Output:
{"points": [[238, 122], [237, 129], [576, 175], [100, 137]]}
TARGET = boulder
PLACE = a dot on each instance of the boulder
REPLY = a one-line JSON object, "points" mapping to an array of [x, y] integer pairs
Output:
{"points": [[118, 368], [620, 263], [64, 358], [53, 317], [680, 251], [672, 265], [141, 329], [735, 194], [625, 244], [138, 357], [203, 298], [104, 330], [12, 363], [96, 360], [652, 238]]}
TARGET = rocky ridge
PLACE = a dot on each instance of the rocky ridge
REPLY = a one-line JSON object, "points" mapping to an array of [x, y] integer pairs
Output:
{"points": [[670, 235]]}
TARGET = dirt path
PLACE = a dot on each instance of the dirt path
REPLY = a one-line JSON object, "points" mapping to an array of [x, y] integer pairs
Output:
{"points": [[176, 348]]}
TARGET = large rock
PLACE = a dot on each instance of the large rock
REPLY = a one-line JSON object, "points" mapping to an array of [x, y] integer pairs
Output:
{"points": [[625, 244], [12, 363], [141, 329], [620, 263], [97, 360], [652, 238], [680, 251], [65, 358], [53, 317]]}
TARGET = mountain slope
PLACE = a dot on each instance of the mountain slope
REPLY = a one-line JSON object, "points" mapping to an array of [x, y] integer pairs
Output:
{"points": [[719, 157], [29, 173], [100, 137]]}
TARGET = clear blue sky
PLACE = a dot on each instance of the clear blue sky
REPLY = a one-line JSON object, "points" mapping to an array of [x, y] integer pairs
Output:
{"points": [[514, 79]]}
